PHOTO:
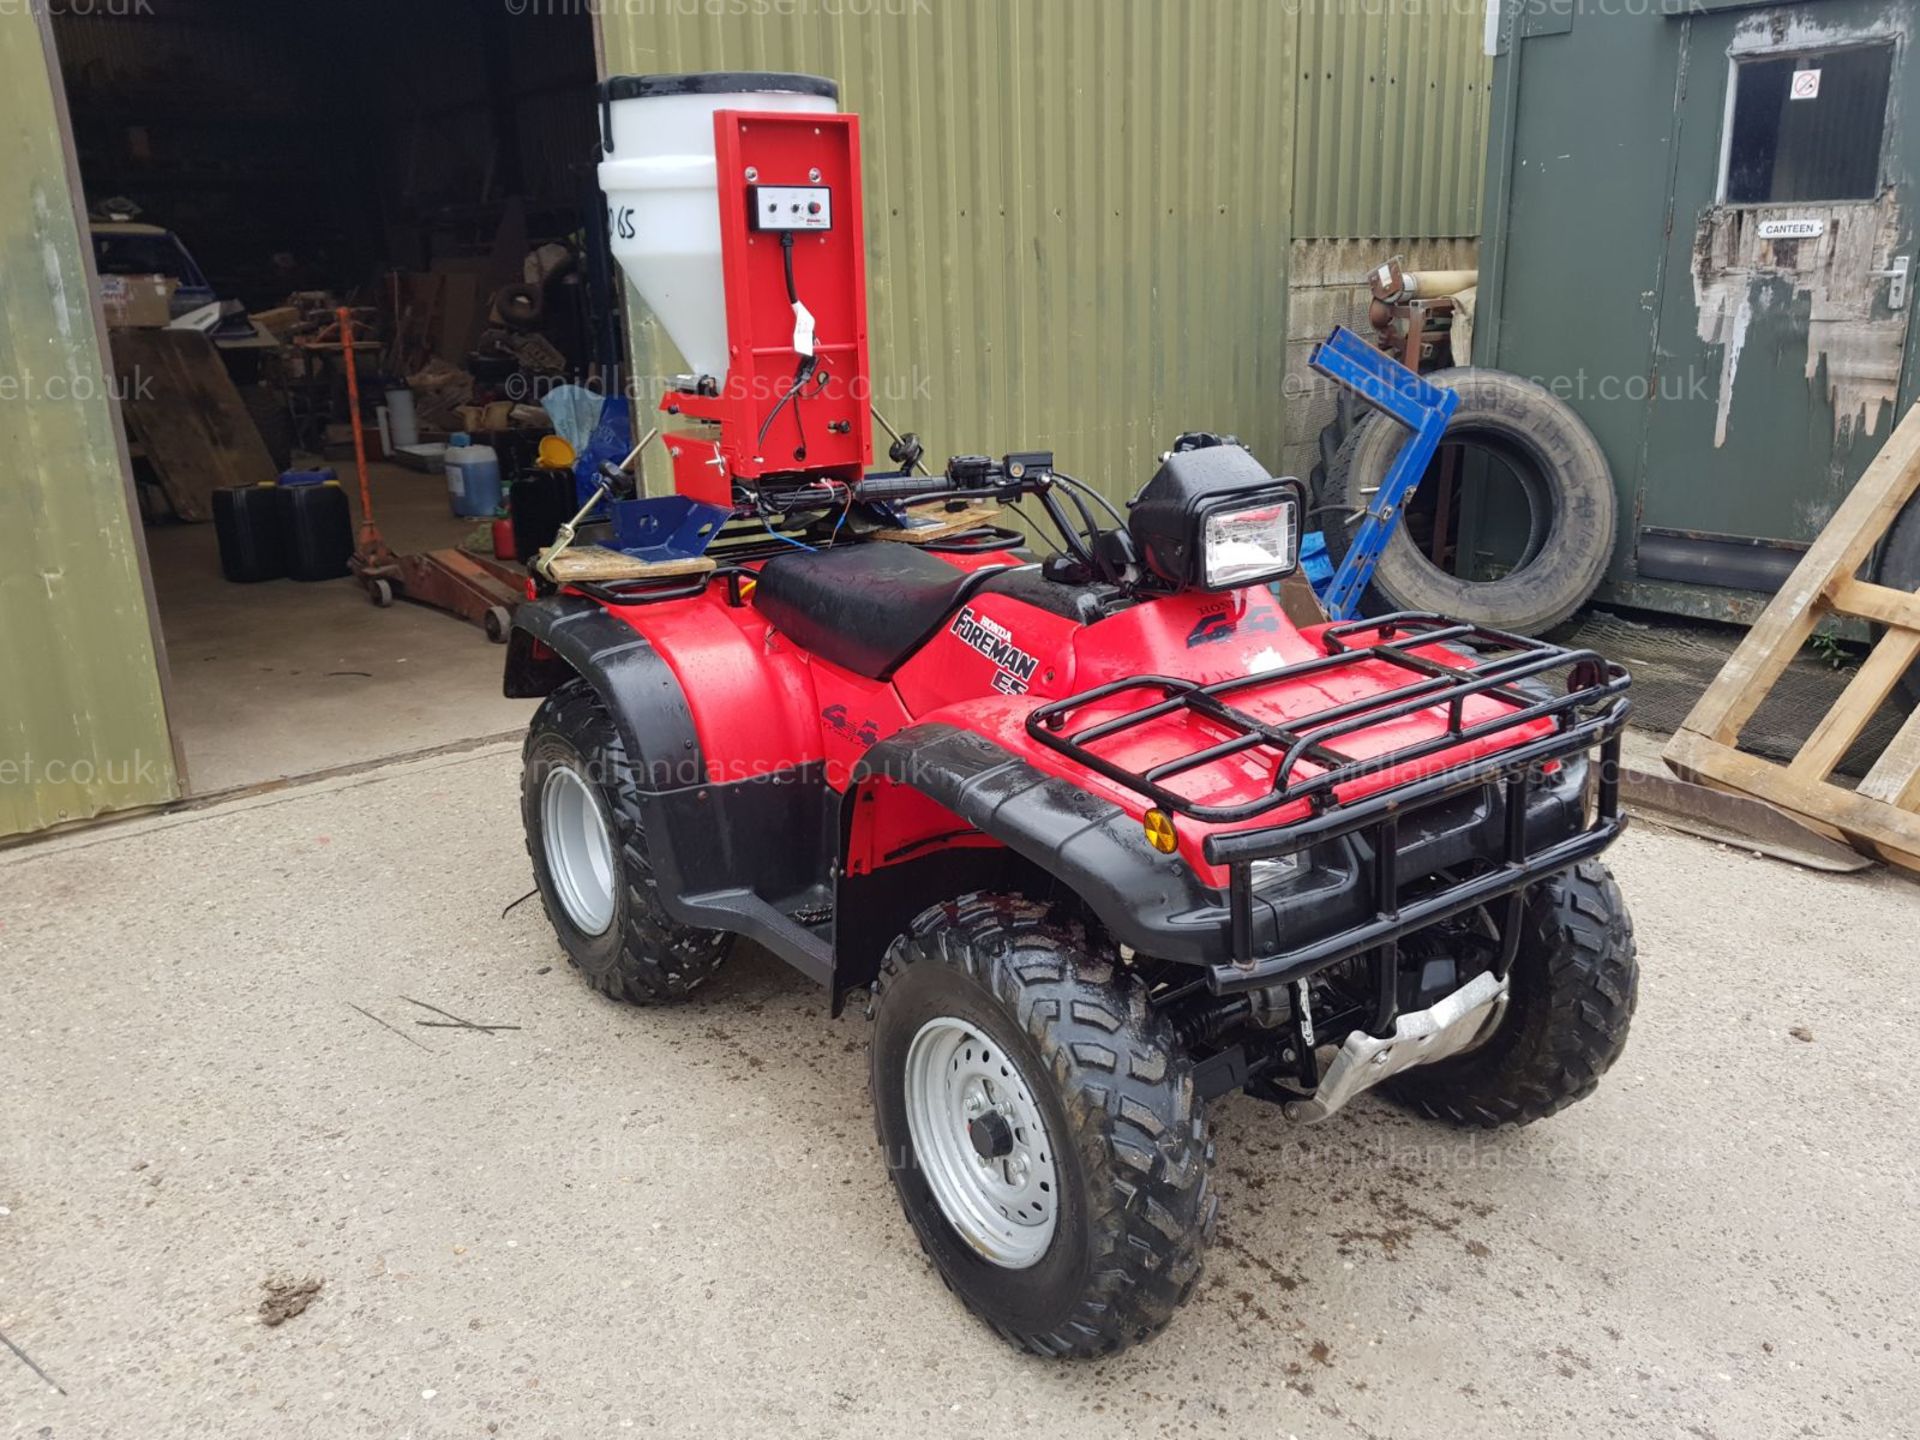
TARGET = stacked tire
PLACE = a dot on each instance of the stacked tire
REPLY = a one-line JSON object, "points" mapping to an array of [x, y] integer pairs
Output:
{"points": [[1561, 471]]}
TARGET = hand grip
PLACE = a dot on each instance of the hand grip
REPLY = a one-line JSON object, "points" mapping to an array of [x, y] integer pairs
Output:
{"points": [[891, 488]]}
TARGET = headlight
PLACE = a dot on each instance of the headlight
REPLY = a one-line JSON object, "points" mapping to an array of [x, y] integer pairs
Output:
{"points": [[1249, 544], [1214, 519]]}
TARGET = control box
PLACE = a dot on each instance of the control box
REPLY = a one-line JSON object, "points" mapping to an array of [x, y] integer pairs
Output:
{"points": [[795, 405], [790, 207]]}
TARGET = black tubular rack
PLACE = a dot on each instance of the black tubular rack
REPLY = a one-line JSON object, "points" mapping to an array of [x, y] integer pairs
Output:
{"points": [[1592, 712]]}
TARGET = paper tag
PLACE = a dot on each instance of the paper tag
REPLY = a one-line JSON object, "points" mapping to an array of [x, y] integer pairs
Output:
{"points": [[802, 329]]}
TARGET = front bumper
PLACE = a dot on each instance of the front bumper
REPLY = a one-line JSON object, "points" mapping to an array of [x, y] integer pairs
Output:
{"points": [[1368, 871], [1379, 866]]}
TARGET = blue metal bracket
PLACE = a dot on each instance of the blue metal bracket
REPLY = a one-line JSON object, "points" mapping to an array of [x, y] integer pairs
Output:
{"points": [[665, 527], [1423, 408]]}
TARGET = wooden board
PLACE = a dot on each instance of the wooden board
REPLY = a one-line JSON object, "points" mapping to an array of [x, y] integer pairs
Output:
{"points": [[1882, 816], [596, 562], [182, 407], [936, 522]]}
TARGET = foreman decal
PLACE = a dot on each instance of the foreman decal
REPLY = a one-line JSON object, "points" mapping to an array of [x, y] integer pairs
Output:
{"points": [[1014, 667]]}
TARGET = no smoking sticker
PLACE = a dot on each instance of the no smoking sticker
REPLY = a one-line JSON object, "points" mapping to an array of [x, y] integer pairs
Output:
{"points": [[1806, 85]]}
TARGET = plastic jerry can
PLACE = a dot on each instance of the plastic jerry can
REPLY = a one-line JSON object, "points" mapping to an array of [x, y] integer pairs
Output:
{"points": [[246, 522], [317, 528], [473, 478], [541, 501]]}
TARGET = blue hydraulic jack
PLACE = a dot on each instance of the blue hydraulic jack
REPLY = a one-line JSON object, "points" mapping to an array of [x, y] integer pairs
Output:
{"points": [[1424, 409]]}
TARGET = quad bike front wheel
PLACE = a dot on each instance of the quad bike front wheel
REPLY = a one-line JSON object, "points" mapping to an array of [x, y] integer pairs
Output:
{"points": [[1041, 1128], [1574, 982], [579, 802]]}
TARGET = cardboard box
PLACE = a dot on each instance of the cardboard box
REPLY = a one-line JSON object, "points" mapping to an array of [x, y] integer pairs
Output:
{"points": [[138, 301]]}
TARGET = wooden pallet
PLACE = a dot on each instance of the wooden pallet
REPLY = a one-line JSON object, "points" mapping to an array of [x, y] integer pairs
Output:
{"points": [[1882, 816]]}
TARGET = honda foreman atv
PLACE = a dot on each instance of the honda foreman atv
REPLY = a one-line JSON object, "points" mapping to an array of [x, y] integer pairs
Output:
{"points": [[1096, 840]]}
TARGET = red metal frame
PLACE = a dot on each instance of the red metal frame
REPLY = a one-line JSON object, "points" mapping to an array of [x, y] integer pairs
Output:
{"points": [[830, 274]]}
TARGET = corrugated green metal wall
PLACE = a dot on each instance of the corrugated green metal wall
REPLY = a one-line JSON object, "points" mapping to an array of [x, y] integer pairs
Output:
{"points": [[1077, 210], [82, 727], [1391, 128], [1079, 217]]}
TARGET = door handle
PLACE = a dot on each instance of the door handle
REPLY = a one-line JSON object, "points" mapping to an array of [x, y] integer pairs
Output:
{"points": [[1896, 272]]}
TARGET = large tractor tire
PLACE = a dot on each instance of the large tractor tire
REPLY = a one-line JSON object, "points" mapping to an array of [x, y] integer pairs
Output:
{"points": [[1574, 984], [579, 801], [1561, 473], [1041, 1127]]}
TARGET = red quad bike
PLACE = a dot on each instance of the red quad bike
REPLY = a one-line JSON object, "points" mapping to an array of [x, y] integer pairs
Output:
{"points": [[1094, 839]]}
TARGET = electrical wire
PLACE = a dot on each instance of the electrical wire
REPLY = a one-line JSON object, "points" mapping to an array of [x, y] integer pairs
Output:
{"points": [[1086, 489], [845, 510], [767, 524], [1091, 525], [803, 370], [1038, 535]]}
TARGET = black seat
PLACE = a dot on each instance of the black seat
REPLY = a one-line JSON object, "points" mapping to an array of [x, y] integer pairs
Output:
{"points": [[865, 607]]}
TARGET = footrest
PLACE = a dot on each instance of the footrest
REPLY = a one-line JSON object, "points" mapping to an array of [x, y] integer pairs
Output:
{"points": [[596, 562]]}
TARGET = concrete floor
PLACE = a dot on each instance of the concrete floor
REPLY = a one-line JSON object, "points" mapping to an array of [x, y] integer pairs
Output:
{"points": [[674, 1221], [284, 679]]}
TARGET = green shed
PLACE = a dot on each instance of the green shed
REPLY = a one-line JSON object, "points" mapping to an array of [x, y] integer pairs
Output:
{"points": [[1700, 232]]}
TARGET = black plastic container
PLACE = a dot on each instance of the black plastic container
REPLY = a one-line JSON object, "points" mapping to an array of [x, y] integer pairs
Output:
{"points": [[246, 522], [317, 529], [541, 501]]}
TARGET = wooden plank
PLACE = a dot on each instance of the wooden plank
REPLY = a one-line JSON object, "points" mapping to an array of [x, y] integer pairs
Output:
{"points": [[1854, 710], [596, 562], [1729, 818], [1895, 777], [1892, 832], [936, 522], [1769, 647], [1879, 603], [181, 405]]}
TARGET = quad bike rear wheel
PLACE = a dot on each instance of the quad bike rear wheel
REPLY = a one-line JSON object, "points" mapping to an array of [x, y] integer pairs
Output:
{"points": [[1574, 984], [579, 802], [1041, 1127]]}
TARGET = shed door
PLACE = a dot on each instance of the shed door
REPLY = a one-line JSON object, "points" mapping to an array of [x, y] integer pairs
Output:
{"points": [[1790, 279]]}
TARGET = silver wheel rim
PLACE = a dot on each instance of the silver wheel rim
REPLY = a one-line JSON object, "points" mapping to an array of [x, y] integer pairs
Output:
{"points": [[1005, 1206], [579, 849]]}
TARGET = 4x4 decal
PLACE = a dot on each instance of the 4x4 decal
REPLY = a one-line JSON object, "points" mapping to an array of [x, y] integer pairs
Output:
{"points": [[1014, 667], [841, 723]]}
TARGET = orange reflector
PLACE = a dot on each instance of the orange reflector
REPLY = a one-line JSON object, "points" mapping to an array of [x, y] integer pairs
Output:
{"points": [[1159, 827]]}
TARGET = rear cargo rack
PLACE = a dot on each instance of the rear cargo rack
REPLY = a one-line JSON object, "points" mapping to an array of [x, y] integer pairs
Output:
{"points": [[1510, 659]]}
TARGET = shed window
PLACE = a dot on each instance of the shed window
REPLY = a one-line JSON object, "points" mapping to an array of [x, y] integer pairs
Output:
{"points": [[1790, 145]]}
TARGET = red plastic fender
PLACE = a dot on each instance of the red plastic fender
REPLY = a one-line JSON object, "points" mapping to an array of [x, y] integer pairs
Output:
{"points": [[751, 695]]}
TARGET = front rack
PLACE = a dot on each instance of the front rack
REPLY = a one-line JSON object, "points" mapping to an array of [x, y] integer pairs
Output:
{"points": [[1592, 713], [1314, 739]]}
